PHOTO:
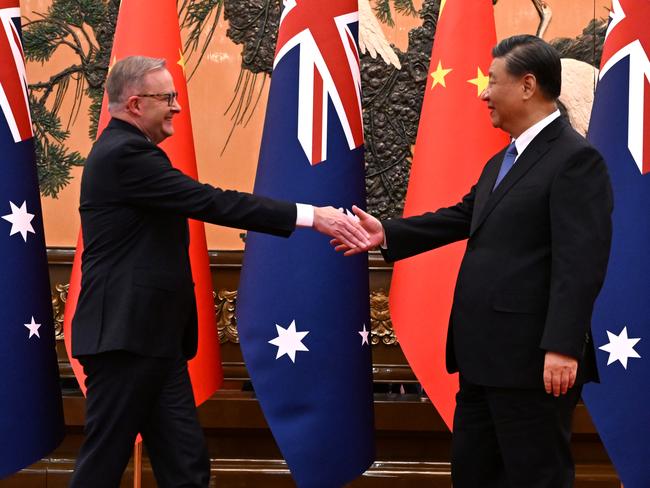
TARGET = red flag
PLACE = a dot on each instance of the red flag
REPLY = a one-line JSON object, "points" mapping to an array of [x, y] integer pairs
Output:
{"points": [[455, 140], [147, 30]]}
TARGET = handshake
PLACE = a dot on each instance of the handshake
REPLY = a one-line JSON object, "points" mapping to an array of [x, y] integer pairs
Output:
{"points": [[351, 234]]}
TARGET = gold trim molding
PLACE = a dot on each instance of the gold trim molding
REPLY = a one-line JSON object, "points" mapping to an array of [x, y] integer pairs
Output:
{"points": [[380, 323], [224, 306], [225, 302], [59, 298]]}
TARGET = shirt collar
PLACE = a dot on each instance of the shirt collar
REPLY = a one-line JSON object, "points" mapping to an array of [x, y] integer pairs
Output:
{"points": [[529, 134]]}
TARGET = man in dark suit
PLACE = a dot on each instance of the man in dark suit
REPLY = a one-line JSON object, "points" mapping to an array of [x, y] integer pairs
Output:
{"points": [[135, 324], [539, 229]]}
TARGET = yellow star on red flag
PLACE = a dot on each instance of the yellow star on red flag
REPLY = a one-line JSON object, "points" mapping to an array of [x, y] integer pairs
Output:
{"points": [[481, 81], [181, 61], [113, 61], [442, 169], [439, 75], [442, 6]]}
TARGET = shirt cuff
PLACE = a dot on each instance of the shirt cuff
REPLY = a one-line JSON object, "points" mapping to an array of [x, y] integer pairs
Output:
{"points": [[304, 215]]}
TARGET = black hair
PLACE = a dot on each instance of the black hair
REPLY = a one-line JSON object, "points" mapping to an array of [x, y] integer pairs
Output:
{"points": [[525, 54]]}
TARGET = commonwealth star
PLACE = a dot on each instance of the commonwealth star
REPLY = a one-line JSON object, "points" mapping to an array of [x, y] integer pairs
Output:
{"points": [[289, 341], [620, 347], [20, 220]]}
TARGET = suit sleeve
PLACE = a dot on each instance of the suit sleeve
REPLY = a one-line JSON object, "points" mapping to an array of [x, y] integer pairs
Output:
{"points": [[409, 236], [150, 181], [581, 229]]}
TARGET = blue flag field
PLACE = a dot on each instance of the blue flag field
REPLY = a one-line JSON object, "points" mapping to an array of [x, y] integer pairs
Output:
{"points": [[620, 129], [31, 418], [303, 309]]}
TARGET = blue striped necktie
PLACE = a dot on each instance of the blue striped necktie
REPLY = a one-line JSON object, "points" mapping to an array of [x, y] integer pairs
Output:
{"points": [[508, 162]]}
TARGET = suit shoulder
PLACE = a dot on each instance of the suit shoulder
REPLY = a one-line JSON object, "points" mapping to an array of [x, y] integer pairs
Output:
{"points": [[572, 138], [576, 147], [114, 144], [579, 160]]}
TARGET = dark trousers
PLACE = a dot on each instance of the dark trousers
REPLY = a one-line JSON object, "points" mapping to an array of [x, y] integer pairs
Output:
{"points": [[129, 394], [512, 438]]}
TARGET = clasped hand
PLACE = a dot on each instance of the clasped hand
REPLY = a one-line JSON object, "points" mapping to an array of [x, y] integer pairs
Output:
{"points": [[372, 228], [342, 228]]}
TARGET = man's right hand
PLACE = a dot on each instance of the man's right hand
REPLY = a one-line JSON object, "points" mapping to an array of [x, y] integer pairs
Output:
{"points": [[371, 225]]}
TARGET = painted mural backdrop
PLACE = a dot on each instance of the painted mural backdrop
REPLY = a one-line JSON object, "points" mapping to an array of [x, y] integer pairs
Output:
{"points": [[228, 48]]}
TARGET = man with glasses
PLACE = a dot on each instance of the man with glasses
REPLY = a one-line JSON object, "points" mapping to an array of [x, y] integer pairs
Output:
{"points": [[169, 97], [135, 325]]}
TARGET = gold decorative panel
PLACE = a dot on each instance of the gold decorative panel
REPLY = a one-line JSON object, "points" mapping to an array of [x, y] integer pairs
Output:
{"points": [[224, 307], [59, 297], [225, 302], [381, 325]]}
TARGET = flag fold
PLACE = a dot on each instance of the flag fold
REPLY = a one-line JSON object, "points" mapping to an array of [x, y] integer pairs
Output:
{"points": [[455, 139], [31, 412], [303, 310], [620, 129]]}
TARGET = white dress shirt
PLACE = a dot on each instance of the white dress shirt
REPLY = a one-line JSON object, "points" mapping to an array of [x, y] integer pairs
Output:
{"points": [[304, 215], [527, 136]]}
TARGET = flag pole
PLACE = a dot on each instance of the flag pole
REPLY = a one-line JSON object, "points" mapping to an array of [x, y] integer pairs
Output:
{"points": [[137, 465]]}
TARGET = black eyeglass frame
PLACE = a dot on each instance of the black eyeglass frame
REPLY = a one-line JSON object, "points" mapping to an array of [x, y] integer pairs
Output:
{"points": [[169, 96]]}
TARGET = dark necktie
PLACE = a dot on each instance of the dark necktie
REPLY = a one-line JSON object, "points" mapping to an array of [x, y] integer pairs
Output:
{"points": [[508, 162]]}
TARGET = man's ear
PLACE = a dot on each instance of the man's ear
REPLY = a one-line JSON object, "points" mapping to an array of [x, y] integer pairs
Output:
{"points": [[134, 105], [529, 85]]}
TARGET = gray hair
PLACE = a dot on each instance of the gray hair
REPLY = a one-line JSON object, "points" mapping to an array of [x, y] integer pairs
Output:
{"points": [[128, 73]]}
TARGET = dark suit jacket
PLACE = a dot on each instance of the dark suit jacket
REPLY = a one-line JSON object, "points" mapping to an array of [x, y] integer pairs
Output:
{"points": [[535, 260], [137, 292]]}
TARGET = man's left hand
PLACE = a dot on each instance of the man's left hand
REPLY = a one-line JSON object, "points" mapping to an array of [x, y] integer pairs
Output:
{"points": [[559, 372]]}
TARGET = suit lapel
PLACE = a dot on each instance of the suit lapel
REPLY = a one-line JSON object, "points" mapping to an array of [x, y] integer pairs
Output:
{"points": [[486, 199], [484, 187]]}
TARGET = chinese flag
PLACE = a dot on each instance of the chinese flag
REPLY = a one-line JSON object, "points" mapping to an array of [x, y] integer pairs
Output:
{"points": [[455, 139], [146, 31]]}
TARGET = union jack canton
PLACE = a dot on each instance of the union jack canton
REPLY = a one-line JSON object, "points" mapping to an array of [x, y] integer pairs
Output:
{"points": [[329, 68]]}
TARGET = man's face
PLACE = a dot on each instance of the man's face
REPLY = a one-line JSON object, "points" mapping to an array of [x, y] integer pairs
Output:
{"points": [[156, 114], [503, 96]]}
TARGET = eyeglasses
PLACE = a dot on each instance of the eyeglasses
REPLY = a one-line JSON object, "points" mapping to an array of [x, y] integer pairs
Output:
{"points": [[169, 97]]}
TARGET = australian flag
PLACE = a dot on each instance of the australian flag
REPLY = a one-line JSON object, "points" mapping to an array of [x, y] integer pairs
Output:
{"points": [[620, 129], [302, 309], [31, 416]]}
